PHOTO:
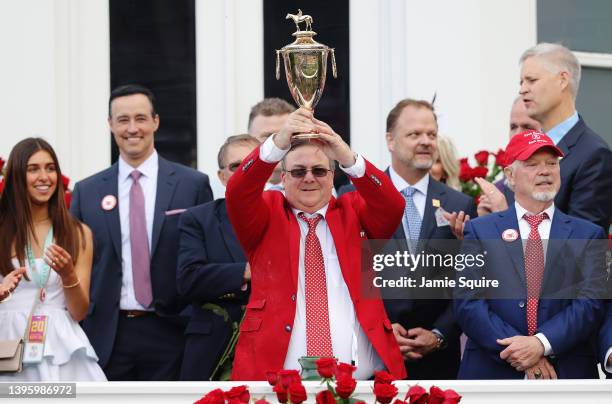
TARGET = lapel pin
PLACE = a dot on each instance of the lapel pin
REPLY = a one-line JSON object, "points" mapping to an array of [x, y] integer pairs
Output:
{"points": [[509, 235], [109, 202], [435, 203]]}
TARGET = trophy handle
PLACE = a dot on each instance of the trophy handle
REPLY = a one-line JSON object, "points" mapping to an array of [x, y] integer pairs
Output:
{"points": [[278, 64], [333, 60]]}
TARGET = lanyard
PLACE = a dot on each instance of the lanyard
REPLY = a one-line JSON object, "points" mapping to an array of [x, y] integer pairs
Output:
{"points": [[41, 277]]}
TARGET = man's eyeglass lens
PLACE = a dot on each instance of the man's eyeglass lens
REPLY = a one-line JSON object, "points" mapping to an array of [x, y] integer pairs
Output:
{"points": [[301, 172]]}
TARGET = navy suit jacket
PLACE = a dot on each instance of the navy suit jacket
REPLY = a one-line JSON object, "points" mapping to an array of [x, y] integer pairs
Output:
{"points": [[574, 265], [430, 313], [210, 270], [586, 176], [178, 187]]}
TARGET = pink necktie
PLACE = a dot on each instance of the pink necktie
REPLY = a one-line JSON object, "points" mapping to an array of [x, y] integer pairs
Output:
{"points": [[139, 242], [318, 337], [534, 270]]}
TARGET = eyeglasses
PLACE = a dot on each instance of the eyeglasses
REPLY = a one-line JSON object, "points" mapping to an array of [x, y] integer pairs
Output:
{"points": [[301, 172], [233, 166]]}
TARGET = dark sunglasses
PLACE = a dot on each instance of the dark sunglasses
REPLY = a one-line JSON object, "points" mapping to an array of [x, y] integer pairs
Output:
{"points": [[233, 166], [301, 172]]}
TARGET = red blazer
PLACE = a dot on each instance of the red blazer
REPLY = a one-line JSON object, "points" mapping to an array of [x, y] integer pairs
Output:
{"points": [[269, 234]]}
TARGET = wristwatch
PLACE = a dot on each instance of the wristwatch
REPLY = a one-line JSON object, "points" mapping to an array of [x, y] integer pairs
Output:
{"points": [[441, 341]]}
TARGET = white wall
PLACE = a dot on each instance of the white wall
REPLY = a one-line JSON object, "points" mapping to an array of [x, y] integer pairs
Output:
{"points": [[54, 78], [464, 51], [229, 54]]}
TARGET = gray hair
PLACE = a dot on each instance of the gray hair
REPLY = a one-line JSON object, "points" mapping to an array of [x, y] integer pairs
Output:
{"points": [[558, 58]]}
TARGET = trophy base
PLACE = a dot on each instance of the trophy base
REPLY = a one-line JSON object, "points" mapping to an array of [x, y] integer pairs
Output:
{"points": [[306, 136]]}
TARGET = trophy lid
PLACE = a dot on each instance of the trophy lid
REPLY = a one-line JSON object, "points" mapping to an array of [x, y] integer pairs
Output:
{"points": [[303, 38]]}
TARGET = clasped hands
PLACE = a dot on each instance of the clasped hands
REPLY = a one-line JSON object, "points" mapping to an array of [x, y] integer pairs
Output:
{"points": [[303, 121], [414, 343], [526, 354]]}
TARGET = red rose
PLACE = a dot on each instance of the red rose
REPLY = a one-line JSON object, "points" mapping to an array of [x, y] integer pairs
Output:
{"points": [[261, 401], [240, 393], [281, 393], [272, 377], [325, 397], [65, 181], [1, 164], [1, 185], [288, 376], [451, 397], [345, 368], [500, 158], [417, 395], [479, 172], [384, 392], [345, 385], [465, 171], [482, 157], [436, 395], [215, 396], [398, 401], [383, 377], [326, 367], [297, 393]]}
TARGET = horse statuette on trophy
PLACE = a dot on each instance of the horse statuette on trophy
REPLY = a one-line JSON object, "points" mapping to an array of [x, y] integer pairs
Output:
{"points": [[305, 66]]}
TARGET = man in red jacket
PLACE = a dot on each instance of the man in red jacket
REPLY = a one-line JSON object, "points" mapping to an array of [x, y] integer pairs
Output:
{"points": [[304, 250]]}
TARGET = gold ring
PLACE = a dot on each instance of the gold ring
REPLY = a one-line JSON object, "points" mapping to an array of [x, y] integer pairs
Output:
{"points": [[537, 374]]}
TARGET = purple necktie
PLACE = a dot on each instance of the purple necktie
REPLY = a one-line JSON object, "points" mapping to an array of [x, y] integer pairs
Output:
{"points": [[139, 242]]}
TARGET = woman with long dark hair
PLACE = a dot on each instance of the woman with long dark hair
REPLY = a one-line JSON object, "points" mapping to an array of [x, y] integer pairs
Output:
{"points": [[45, 269]]}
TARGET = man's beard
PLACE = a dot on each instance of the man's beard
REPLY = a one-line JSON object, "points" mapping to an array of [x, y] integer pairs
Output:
{"points": [[544, 196]]}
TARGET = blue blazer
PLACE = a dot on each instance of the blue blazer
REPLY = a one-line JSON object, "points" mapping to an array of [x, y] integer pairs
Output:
{"points": [[586, 176], [429, 313], [574, 265], [210, 270], [178, 187]]}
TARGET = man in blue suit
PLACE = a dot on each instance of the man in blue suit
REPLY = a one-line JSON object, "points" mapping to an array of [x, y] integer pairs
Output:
{"points": [[539, 321], [132, 209], [213, 272], [425, 328], [550, 77]]}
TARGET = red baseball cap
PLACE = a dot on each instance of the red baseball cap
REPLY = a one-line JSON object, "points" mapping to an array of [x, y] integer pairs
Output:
{"points": [[524, 144]]}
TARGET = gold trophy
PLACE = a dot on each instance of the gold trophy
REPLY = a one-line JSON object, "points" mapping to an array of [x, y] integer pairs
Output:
{"points": [[305, 66]]}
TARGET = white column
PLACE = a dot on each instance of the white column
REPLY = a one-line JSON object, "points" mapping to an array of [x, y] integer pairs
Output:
{"points": [[465, 52], [229, 54], [55, 77]]}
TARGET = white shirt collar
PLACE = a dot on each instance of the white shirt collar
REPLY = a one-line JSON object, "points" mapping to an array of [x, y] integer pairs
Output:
{"points": [[401, 184], [148, 168], [321, 211], [520, 211]]}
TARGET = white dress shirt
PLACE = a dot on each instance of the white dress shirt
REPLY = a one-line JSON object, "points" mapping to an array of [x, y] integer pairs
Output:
{"points": [[607, 358], [148, 183], [349, 341], [419, 197], [544, 230]]}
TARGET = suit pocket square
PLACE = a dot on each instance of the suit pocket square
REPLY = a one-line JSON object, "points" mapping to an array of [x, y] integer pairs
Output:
{"points": [[174, 212]]}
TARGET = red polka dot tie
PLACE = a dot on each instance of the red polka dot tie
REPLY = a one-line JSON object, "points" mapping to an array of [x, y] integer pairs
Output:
{"points": [[318, 337], [534, 270]]}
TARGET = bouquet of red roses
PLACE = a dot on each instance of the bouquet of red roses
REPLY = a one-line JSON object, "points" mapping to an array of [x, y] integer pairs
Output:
{"points": [[489, 166], [338, 378]]}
